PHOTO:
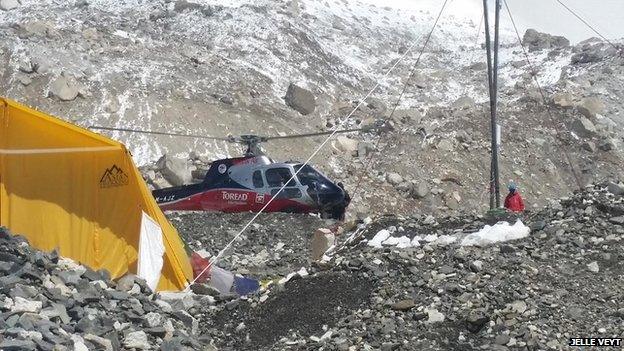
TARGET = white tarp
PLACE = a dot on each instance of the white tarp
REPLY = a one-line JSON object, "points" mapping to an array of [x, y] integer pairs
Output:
{"points": [[221, 279], [499, 232], [151, 251]]}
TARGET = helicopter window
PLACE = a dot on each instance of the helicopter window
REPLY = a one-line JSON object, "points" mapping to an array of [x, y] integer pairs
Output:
{"points": [[257, 179], [277, 177], [287, 193], [308, 175]]}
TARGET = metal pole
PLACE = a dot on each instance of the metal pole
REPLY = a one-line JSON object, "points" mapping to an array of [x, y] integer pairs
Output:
{"points": [[488, 48], [494, 112]]}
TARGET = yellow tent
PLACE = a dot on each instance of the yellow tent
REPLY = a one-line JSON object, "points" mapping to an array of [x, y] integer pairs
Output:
{"points": [[64, 187]]}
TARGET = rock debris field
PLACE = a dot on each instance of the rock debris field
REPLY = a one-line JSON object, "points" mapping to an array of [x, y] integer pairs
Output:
{"points": [[563, 280]]}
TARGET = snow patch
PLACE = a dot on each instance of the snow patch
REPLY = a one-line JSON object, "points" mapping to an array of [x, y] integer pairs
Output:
{"points": [[497, 233]]}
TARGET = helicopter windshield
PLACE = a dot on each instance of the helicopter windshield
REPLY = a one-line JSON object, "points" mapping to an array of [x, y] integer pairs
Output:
{"points": [[308, 175]]}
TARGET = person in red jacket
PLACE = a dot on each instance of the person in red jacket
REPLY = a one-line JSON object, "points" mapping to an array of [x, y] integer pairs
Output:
{"points": [[513, 201]]}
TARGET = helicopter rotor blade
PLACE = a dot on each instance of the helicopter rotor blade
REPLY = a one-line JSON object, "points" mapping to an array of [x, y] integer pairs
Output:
{"points": [[367, 129], [158, 133]]}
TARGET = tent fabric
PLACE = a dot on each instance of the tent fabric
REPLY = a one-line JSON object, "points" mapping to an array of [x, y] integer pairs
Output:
{"points": [[64, 187], [151, 251]]}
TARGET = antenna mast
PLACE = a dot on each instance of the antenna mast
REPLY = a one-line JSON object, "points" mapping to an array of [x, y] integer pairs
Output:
{"points": [[493, 89]]}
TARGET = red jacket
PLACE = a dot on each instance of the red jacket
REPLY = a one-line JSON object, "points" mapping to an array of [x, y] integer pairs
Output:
{"points": [[513, 202]]}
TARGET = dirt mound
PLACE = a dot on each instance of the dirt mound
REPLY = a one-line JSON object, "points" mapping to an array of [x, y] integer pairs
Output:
{"points": [[304, 307]]}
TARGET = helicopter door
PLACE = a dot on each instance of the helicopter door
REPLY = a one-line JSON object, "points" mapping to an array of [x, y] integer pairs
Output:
{"points": [[276, 178]]}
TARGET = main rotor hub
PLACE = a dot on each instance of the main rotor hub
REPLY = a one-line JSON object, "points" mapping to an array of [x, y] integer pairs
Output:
{"points": [[251, 141]]}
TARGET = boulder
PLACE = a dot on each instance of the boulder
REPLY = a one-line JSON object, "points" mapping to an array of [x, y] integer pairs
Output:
{"points": [[590, 107], [615, 188], [7, 5], [589, 146], [364, 149], [592, 50], [403, 305], [64, 88], [183, 5], [411, 115], [346, 145], [136, 340], [583, 127], [593, 267], [174, 170], [446, 145], [394, 178], [300, 99], [563, 99], [607, 144], [464, 103], [21, 304], [160, 183], [322, 240], [539, 41], [36, 28], [420, 190], [376, 105], [434, 316]]}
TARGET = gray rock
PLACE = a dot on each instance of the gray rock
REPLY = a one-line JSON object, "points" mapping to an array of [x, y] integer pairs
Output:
{"points": [[583, 127], [322, 240], [64, 88], [502, 339], [394, 178], [420, 190], [576, 313], [446, 145], [56, 310], [346, 145], [592, 51], [102, 342], [183, 5], [590, 107], [152, 319], [7, 5], [476, 321], [589, 146], [617, 220], [21, 304], [389, 346], [464, 103], [17, 345], [174, 170], [539, 41], [607, 144], [563, 99], [434, 316], [476, 266], [300, 99], [25, 80], [364, 149], [126, 282], [136, 340], [404, 305], [615, 188], [178, 300], [189, 321]]}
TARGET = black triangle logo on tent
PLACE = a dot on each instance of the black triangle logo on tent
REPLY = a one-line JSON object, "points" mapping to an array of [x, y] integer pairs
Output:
{"points": [[113, 177]]}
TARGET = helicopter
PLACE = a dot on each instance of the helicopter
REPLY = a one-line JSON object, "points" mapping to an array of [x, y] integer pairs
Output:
{"points": [[249, 182]]}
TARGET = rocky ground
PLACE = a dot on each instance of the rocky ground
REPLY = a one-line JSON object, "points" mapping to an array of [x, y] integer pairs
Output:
{"points": [[563, 280], [49, 302]]}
